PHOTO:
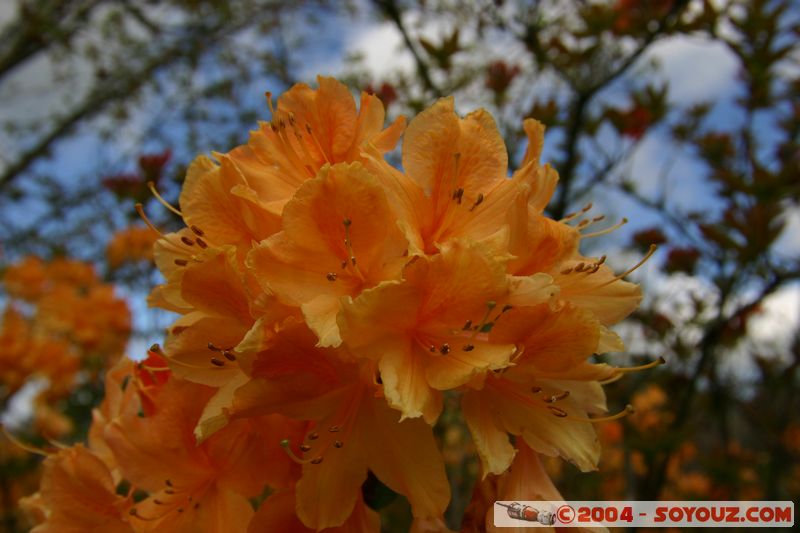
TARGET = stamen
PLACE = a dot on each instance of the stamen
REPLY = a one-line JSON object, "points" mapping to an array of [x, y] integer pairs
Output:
{"points": [[229, 355], [201, 243], [187, 241], [338, 444], [557, 411], [612, 379], [454, 176], [618, 277], [313, 435], [607, 230], [334, 429], [484, 326], [467, 325], [506, 308], [268, 94], [305, 448], [197, 231], [135, 513], [184, 364], [576, 214], [536, 390], [181, 262], [317, 143], [213, 348], [154, 368], [349, 247], [658, 362], [468, 347], [625, 412], [316, 460], [458, 195], [444, 349], [478, 202], [331, 276], [557, 397], [217, 362], [152, 187], [27, 447], [288, 449], [140, 211]]}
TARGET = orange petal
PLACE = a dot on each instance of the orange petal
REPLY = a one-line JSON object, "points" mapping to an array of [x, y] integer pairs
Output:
{"points": [[520, 412], [405, 384], [491, 440], [188, 351], [306, 259], [458, 283], [552, 341], [534, 130], [207, 204], [216, 286], [277, 513], [609, 302], [328, 491], [429, 145], [320, 314], [153, 448], [404, 456], [459, 366], [79, 492]]}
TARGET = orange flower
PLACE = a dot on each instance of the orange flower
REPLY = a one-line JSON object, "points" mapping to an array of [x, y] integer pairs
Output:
{"points": [[120, 400], [350, 430], [428, 331], [456, 185], [26, 279], [24, 354], [77, 493], [339, 237], [308, 129], [317, 282], [525, 480], [196, 486], [545, 396], [241, 199], [130, 245]]}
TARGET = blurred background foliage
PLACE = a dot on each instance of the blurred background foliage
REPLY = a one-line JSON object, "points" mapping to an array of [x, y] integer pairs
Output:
{"points": [[100, 97]]}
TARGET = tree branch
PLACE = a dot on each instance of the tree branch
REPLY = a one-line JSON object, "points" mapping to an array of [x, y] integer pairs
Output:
{"points": [[390, 9]]}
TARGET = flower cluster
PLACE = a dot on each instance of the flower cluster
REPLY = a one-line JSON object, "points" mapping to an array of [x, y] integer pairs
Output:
{"points": [[328, 301], [61, 318], [130, 245]]}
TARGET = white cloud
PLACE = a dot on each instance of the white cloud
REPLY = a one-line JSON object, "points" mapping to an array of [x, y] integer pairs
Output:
{"points": [[381, 48], [777, 322], [788, 244], [695, 69]]}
